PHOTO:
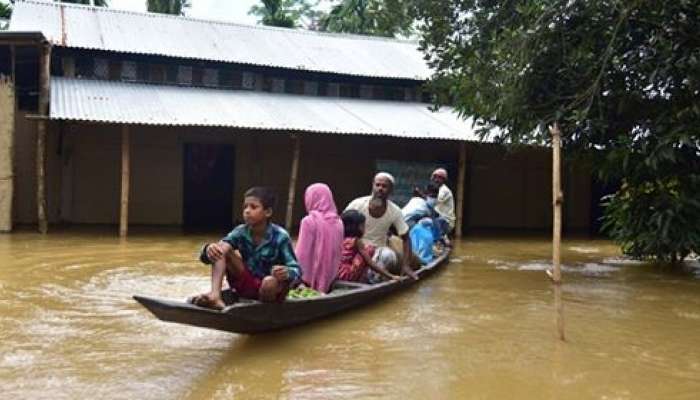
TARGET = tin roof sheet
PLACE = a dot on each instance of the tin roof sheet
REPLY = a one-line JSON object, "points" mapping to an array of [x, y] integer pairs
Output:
{"points": [[135, 103], [101, 28]]}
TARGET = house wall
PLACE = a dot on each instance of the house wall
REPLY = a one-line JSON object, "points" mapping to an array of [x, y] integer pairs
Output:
{"points": [[504, 189]]}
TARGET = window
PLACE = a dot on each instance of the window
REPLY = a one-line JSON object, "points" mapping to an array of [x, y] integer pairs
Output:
{"points": [[171, 73], [294, 86], [311, 88], [349, 90], [115, 70], [101, 68], [84, 67], [197, 76], [248, 80], [184, 75], [156, 73], [128, 72], [210, 77], [142, 72]]}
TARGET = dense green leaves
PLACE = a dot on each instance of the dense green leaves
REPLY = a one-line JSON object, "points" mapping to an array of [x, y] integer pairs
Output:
{"points": [[173, 7], [284, 13], [621, 77], [370, 17], [5, 10], [98, 3]]}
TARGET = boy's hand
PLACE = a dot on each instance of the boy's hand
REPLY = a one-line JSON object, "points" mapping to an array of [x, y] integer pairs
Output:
{"points": [[280, 272], [217, 251]]}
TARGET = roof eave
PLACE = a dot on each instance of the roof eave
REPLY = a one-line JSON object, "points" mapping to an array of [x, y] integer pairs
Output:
{"points": [[22, 38]]}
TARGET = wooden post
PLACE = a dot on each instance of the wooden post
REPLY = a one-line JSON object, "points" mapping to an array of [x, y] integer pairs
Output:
{"points": [[13, 71], [292, 183], [460, 188], [44, 73], [7, 134], [556, 234], [126, 156]]}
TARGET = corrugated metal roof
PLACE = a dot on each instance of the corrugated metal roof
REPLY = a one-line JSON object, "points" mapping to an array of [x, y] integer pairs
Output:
{"points": [[132, 103], [157, 34]]}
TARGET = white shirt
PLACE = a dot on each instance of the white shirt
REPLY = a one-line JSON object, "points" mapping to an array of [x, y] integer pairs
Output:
{"points": [[445, 205], [417, 205], [376, 229]]}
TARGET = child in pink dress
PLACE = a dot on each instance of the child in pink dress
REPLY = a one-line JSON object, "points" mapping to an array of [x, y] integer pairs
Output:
{"points": [[356, 256]]}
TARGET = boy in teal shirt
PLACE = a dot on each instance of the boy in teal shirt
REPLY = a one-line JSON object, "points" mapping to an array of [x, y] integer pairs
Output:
{"points": [[266, 267]]}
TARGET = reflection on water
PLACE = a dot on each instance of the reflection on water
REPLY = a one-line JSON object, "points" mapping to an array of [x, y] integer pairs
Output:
{"points": [[482, 328]]}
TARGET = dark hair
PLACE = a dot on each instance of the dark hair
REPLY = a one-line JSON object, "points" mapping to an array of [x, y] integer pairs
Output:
{"points": [[352, 220], [431, 190], [264, 194]]}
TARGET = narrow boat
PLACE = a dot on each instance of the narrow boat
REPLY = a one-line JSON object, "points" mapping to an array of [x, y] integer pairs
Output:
{"points": [[252, 316]]}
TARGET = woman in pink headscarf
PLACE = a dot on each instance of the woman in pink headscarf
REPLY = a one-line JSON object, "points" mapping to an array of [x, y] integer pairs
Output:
{"points": [[320, 238]]}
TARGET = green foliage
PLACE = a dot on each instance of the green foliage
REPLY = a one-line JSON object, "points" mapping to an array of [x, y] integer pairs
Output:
{"points": [[5, 10], [284, 13], [173, 7], [370, 17], [657, 210], [98, 3], [622, 77]]}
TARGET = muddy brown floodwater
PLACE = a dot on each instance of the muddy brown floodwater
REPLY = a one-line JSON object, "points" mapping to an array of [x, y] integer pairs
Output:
{"points": [[483, 328]]}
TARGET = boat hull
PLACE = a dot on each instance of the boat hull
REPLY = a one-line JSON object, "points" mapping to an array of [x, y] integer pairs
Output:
{"points": [[250, 317]]}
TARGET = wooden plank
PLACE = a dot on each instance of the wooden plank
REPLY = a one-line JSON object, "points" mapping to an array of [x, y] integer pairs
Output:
{"points": [[44, 71], [126, 161], [461, 188], [292, 183]]}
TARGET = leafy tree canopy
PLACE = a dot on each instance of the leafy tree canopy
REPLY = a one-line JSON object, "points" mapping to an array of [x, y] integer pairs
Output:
{"points": [[622, 77], [5, 10], [285, 13], [98, 3], [173, 7], [370, 17]]}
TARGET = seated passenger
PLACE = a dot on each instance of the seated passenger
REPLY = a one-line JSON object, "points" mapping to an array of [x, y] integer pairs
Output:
{"points": [[320, 238], [356, 256], [420, 207], [422, 240], [267, 266]]}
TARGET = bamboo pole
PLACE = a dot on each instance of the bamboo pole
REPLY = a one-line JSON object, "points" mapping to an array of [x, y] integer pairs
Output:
{"points": [[126, 157], [292, 183], [44, 68], [556, 233], [460, 188]]}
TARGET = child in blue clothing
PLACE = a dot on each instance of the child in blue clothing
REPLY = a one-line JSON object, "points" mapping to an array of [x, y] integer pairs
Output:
{"points": [[422, 240], [266, 266]]}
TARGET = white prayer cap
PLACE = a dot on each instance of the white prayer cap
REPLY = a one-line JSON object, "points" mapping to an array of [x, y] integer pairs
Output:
{"points": [[385, 175], [440, 172]]}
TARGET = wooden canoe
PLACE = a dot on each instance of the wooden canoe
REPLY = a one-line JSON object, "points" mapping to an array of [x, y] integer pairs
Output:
{"points": [[251, 316]]}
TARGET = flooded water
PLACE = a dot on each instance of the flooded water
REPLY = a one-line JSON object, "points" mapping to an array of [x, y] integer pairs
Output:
{"points": [[483, 328]]}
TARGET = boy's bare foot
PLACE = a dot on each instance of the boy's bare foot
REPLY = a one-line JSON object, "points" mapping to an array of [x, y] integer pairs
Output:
{"points": [[208, 300]]}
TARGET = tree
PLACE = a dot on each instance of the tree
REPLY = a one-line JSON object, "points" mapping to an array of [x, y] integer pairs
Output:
{"points": [[173, 7], [98, 3], [370, 17], [621, 77], [5, 10], [285, 13]]}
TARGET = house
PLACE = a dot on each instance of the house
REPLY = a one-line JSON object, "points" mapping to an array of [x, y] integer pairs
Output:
{"points": [[137, 118]]}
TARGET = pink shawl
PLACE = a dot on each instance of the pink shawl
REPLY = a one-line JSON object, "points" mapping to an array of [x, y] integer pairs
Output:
{"points": [[320, 238]]}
